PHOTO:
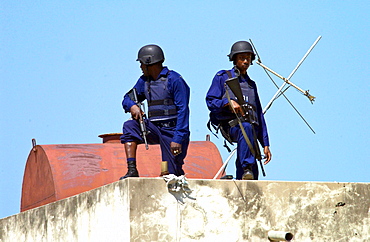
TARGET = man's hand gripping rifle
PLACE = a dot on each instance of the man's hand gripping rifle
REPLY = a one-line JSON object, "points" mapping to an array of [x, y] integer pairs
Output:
{"points": [[142, 117], [247, 114]]}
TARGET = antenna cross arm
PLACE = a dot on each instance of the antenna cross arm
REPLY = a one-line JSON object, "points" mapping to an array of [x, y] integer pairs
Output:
{"points": [[306, 93]]}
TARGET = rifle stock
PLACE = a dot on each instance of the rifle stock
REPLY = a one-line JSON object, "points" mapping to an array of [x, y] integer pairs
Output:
{"points": [[234, 85]]}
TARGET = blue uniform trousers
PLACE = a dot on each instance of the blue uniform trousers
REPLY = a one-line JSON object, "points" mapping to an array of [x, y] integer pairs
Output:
{"points": [[157, 135], [244, 154]]}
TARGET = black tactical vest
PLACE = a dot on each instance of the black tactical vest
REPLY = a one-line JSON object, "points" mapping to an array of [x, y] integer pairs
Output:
{"points": [[160, 101]]}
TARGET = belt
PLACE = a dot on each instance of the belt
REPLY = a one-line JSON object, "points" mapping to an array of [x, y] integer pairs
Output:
{"points": [[234, 122], [161, 102], [165, 123], [165, 112]]}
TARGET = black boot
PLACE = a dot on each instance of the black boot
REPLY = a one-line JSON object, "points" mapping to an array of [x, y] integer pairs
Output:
{"points": [[248, 174], [131, 170], [227, 177]]}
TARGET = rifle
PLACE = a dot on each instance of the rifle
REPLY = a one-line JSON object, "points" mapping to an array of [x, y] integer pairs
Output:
{"points": [[142, 118], [234, 85]]}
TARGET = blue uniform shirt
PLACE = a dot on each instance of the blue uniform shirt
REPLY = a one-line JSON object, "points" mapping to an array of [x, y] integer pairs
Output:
{"points": [[181, 94], [216, 103]]}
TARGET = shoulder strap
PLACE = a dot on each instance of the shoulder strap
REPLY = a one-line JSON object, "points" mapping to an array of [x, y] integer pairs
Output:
{"points": [[229, 74]]}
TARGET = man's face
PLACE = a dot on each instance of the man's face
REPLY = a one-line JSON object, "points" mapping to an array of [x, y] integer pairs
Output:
{"points": [[243, 61]]}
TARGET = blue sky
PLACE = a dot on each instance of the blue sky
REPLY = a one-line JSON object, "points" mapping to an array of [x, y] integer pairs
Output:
{"points": [[65, 66]]}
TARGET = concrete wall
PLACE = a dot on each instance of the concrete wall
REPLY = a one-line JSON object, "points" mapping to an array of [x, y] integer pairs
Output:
{"points": [[142, 209]]}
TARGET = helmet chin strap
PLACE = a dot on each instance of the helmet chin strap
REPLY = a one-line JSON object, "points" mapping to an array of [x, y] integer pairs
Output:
{"points": [[237, 71], [147, 74]]}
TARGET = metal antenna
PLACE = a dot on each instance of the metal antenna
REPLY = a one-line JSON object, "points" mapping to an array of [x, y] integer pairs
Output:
{"points": [[286, 81], [306, 93], [304, 57]]}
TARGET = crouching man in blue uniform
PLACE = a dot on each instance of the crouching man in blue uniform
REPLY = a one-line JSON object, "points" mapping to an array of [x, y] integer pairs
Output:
{"points": [[167, 95], [223, 118]]}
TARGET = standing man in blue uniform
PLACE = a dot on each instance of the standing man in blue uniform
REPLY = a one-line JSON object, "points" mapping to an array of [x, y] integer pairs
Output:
{"points": [[223, 118], [167, 95]]}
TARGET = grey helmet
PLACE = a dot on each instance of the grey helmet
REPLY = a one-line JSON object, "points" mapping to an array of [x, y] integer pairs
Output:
{"points": [[241, 47], [150, 54]]}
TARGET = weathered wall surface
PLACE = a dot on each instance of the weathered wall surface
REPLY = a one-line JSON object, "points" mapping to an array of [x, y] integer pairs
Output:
{"points": [[142, 209]]}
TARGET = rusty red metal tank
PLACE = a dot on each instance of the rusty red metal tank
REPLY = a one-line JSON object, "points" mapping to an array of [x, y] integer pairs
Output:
{"points": [[55, 172]]}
